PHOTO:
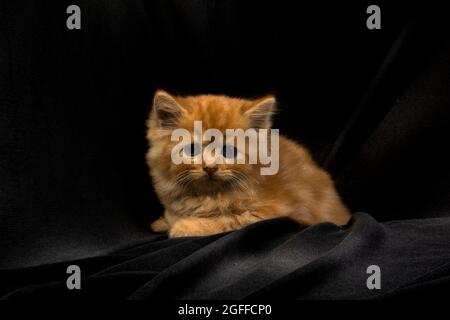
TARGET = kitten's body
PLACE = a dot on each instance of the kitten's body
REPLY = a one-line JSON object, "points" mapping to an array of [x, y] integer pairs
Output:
{"points": [[208, 204]]}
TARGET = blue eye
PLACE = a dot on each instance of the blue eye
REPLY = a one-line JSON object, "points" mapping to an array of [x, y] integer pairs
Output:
{"points": [[192, 150], [229, 151]]}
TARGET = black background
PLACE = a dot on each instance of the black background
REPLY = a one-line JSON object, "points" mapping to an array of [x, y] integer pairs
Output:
{"points": [[371, 105]]}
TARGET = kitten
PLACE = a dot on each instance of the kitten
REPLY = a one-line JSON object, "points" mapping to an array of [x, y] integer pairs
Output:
{"points": [[208, 198]]}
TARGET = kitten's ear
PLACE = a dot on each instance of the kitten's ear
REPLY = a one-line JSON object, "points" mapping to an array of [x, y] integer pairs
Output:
{"points": [[260, 114], [167, 110]]}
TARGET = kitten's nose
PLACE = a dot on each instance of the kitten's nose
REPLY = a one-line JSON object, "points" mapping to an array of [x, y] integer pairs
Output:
{"points": [[210, 169]]}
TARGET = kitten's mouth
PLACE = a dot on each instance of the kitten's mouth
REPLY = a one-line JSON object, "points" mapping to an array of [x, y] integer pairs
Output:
{"points": [[209, 184], [211, 178], [213, 184]]}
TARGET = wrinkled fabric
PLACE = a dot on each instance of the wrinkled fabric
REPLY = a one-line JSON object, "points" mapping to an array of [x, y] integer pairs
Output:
{"points": [[271, 259]]}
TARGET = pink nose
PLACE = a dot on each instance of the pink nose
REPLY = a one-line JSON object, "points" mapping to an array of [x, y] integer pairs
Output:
{"points": [[210, 169]]}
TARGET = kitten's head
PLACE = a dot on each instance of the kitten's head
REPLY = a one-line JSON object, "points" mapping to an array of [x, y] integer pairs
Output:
{"points": [[208, 175]]}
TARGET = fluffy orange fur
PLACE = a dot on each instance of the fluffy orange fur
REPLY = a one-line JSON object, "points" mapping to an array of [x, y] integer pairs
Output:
{"points": [[197, 203]]}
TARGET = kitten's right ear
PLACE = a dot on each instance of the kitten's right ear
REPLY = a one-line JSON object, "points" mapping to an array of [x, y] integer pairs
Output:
{"points": [[167, 110]]}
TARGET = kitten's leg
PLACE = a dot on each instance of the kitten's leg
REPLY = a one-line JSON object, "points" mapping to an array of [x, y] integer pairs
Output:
{"points": [[160, 225], [193, 226]]}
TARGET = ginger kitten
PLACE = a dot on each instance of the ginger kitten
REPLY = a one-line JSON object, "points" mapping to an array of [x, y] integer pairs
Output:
{"points": [[212, 197]]}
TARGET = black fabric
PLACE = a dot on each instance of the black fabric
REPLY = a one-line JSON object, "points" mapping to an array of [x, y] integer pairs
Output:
{"points": [[402, 165], [271, 259], [372, 106]]}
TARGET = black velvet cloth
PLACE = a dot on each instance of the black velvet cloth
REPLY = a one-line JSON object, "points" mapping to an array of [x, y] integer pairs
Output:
{"points": [[272, 259], [372, 106]]}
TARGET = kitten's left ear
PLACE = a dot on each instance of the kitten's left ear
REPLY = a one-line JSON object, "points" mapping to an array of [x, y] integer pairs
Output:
{"points": [[261, 113]]}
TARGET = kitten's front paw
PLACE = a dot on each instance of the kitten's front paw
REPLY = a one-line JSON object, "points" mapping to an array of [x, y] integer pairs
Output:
{"points": [[160, 225], [191, 227]]}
